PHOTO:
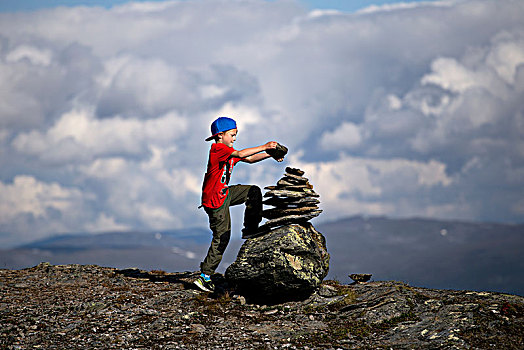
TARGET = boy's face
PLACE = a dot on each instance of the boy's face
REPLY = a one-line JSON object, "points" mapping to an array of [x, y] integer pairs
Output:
{"points": [[228, 137]]}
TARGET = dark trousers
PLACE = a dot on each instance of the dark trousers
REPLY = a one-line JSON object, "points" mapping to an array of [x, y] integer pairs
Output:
{"points": [[220, 222]]}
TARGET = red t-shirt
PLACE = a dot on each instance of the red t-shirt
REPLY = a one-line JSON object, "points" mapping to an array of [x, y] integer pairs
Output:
{"points": [[219, 168]]}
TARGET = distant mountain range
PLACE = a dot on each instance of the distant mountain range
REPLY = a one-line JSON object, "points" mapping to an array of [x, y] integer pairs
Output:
{"points": [[427, 253], [174, 250]]}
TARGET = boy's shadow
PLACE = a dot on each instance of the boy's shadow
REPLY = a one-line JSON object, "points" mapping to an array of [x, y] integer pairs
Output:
{"points": [[186, 279]]}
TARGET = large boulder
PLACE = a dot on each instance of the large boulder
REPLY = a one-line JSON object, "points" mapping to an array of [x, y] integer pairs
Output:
{"points": [[288, 263]]}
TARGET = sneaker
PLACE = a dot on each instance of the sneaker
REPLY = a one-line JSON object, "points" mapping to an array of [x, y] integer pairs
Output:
{"points": [[204, 283]]}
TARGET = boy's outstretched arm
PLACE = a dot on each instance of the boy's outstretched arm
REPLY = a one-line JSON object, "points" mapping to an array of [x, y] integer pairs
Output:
{"points": [[258, 157], [255, 154]]}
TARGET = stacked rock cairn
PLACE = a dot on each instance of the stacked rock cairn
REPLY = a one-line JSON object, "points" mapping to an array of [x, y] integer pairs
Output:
{"points": [[293, 199]]}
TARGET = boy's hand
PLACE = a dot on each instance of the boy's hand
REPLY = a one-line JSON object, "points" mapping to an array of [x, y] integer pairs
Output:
{"points": [[271, 145]]}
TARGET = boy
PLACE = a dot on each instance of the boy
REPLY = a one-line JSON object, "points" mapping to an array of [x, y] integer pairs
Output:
{"points": [[217, 196]]}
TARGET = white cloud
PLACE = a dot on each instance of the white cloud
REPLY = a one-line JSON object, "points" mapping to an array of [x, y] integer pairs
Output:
{"points": [[506, 56], [105, 168], [395, 103], [33, 54], [105, 223], [212, 91], [321, 13], [145, 193], [402, 6], [28, 195], [246, 116], [30, 209], [157, 217], [455, 77], [352, 185], [483, 95], [151, 86], [79, 136], [346, 136], [181, 182]]}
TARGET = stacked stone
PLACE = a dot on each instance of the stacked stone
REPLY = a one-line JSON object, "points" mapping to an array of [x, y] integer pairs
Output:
{"points": [[293, 199]]}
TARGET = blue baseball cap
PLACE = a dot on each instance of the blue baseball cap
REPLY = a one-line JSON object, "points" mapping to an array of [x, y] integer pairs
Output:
{"points": [[220, 125]]}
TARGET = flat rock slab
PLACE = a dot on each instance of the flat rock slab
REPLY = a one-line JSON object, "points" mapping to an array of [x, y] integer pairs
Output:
{"points": [[276, 213], [294, 171], [285, 183], [296, 188], [360, 277], [286, 193], [295, 179], [290, 219], [290, 202]]}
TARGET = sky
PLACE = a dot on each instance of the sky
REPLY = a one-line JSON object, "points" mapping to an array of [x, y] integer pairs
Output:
{"points": [[340, 5], [397, 109]]}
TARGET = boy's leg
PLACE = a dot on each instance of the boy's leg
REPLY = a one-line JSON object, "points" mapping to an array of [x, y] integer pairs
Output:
{"points": [[220, 224], [252, 196]]}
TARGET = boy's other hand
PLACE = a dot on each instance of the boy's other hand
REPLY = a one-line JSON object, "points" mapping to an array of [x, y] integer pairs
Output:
{"points": [[276, 150]]}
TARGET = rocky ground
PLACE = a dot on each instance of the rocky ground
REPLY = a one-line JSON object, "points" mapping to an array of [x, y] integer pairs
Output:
{"points": [[92, 307]]}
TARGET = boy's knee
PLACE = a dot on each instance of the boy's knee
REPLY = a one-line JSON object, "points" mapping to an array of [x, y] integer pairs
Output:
{"points": [[254, 200], [254, 194]]}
